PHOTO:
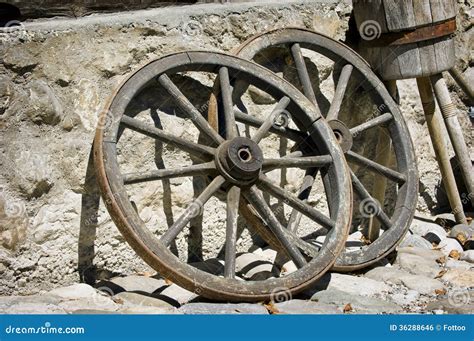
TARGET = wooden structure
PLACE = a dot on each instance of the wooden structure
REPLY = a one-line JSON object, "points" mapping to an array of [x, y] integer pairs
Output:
{"points": [[414, 39]]}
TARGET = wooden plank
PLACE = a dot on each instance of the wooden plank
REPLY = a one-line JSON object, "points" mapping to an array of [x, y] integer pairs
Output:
{"points": [[422, 12], [399, 15], [409, 61], [427, 58], [389, 65], [444, 52], [364, 12], [442, 10]]}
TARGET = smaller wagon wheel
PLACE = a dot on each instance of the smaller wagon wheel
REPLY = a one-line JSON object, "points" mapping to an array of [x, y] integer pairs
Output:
{"points": [[233, 168], [387, 119]]}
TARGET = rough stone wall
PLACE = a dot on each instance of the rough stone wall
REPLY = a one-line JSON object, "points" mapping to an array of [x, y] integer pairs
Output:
{"points": [[56, 76]]}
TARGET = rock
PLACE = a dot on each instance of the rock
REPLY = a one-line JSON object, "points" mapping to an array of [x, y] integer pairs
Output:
{"points": [[448, 245], [384, 274], [416, 241], [14, 222], [427, 230], [306, 307], [44, 107], [360, 304], [405, 299], [32, 308], [351, 284], [460, 278], [213, 266], [416, 262], [468, 256], [135, 299], [178, 294], [456, 302], [445, 220], [458, 264], [253, 267], [260, 97], [421, 284], [82, 296], [462, 233], [97, 302], [21, 60], [223, 308], [75, 291], [288, 268], [139, 283], [146, 310]]}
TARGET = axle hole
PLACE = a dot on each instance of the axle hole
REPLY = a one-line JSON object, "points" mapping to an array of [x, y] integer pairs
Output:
{"points": [[338, 135], [244, 155]]}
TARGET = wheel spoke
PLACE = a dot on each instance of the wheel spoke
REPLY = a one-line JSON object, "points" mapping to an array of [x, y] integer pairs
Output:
{"points": [[297, 162], [189, 109], [160, 174], [379, 120], [303, 75], [363, 194], [303, 195], [267, 186], [226, 92], [193, 210], [376, 167], [341, 87], [256, 199], [233, 199], [200, 151], [292, 134], [270, 121]]}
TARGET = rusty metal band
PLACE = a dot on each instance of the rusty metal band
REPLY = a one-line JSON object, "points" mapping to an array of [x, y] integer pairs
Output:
{"points": [[436, 30]]}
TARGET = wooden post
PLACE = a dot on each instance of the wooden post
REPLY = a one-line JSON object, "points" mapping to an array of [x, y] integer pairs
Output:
{"points": [[455, 132], [434, 123], [383, 155]]}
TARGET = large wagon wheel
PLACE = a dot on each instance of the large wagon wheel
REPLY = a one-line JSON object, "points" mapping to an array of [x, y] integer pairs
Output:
{"points": [[234, 168], [387, 119]]}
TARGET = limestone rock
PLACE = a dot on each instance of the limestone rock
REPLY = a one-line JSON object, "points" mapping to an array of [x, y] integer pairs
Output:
{"points": [[178, 294], [462, 233], [135, 299], [306, 307], [419, 261], [458, 301], [223, 308], [450, 244], [416, 241], [468, 256], [405, 298], [139, 283], [425, 229], [360, 304], [44, 106], [460, 278], [352, 284]]}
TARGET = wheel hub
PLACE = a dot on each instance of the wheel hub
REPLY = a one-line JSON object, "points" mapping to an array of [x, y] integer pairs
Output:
{"points": [[343, 134], [239, 160]]}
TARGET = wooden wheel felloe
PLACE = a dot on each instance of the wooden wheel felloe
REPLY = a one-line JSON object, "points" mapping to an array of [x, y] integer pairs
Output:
{"points": [[266, 49], [234, 167]]}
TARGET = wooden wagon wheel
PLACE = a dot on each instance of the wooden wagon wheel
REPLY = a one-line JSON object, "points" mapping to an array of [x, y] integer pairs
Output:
{"points": [[388, 118], [234, 167]]}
